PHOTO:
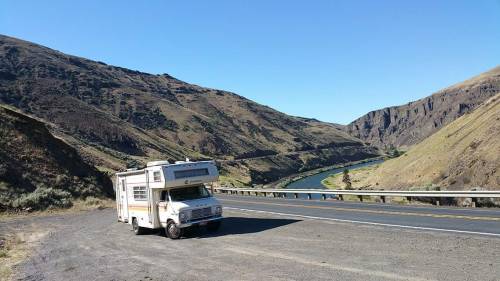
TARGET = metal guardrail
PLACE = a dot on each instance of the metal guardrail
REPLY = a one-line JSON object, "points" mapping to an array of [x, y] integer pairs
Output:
{"points": [[360, 193]]}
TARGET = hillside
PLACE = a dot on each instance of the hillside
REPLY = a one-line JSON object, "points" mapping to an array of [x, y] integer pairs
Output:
{"points": [[40, 170], [406, 125], [464, 154], [117, 117]]}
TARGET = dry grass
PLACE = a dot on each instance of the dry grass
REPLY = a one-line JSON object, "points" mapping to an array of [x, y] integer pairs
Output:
{"points": [[357, 176], [463, 154], [14, 248], [90, 203], [12, 251]]}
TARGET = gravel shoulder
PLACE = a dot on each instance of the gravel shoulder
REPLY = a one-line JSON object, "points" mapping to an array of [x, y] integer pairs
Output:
{"points": [[249, 246]]}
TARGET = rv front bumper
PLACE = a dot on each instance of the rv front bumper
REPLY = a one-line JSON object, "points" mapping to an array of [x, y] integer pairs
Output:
{"points": [[200, 222]]}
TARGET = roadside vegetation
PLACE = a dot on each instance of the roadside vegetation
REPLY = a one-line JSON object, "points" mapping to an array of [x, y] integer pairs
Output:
{"points": [[13, 250], [76, 205]]}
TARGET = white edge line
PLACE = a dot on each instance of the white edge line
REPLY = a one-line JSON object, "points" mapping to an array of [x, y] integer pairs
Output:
{"points": [[368, 223]]}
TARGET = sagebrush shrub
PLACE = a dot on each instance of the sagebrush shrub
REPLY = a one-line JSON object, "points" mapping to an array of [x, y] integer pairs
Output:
{"points": [[43, 198]]}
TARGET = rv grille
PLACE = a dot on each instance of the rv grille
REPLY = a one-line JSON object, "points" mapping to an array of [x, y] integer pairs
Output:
{"points": [[201, 213]]}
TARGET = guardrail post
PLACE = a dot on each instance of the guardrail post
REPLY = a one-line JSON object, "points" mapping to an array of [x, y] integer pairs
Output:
{"points": [[438, 203], [323, 196], [296, 195], [341, 197], [408, 198], [309, 196], [382, 198], [249, 193], [473, 203], [360, 198]]}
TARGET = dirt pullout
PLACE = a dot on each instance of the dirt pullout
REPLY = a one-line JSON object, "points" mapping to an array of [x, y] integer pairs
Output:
{"points": [[93, 246]]}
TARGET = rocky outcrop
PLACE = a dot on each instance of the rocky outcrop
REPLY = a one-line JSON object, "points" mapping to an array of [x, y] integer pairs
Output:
{"points": [[409, 124]]}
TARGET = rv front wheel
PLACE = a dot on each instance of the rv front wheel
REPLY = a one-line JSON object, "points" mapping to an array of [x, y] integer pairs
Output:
{"points": [[173, 232], [135, 226]]}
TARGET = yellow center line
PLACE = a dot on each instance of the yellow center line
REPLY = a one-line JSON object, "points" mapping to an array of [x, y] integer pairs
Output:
{"points": [[370, 211]]}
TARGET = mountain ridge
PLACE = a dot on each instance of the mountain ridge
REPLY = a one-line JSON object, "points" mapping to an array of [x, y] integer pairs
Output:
{"points": [[408, 124], [118, 117], [461, 155]]}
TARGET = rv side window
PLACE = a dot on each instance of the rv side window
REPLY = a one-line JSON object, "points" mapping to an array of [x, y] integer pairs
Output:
{"points": [[190, 173], [157, 176], [140, 193]]}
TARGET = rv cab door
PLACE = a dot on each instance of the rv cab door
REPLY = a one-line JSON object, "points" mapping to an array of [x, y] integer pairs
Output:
{"points": [[162, 208]]}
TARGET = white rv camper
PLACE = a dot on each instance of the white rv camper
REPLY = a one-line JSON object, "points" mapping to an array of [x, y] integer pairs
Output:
{"points": [[170, 196]]}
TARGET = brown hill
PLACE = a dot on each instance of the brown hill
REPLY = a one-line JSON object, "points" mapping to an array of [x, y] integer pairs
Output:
{"points": [[38, 170], [116, 116], [464, 154], [406, 125]]}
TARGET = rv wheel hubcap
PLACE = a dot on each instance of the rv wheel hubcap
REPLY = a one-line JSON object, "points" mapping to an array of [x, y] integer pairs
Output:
{"points": [[173, 230]]}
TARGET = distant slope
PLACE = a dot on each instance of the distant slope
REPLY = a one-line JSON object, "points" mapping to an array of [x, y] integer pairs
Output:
{"points": [[116, 116], [463, 154], [32, 160], [406, 125]]}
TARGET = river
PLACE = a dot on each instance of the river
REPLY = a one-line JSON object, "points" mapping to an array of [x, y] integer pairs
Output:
{"points": [[314, 181]]}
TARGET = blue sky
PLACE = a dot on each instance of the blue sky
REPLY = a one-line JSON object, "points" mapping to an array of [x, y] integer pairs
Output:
{"points": [[330, 60]]}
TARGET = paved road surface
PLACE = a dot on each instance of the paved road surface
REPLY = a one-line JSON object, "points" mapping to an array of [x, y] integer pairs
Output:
{"points": [[268, 246], [473, 221]]}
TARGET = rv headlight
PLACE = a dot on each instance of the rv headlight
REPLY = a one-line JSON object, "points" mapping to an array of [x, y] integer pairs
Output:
{"points": [[183, 216], [218, 210]]}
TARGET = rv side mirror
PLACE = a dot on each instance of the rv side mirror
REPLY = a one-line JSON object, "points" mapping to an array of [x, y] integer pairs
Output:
{"points": [[164, 196]]}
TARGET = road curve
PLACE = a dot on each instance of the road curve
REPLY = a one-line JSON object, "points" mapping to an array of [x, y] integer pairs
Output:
{"points": [[474, 221]]}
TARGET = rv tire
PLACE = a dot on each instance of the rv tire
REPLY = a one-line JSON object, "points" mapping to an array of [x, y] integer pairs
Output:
{"points": [[137, 229], [173, 231]]}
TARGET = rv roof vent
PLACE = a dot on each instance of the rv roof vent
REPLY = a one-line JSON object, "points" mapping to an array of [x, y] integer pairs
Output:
{"points": [[157, 163], [180, 162]]}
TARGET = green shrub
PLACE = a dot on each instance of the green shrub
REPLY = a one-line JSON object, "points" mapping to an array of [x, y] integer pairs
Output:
{"points": [[92, 201], [43, 198]]}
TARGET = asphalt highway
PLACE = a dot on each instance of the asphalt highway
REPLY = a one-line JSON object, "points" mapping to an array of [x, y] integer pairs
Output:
{"points": [[473, 221]]}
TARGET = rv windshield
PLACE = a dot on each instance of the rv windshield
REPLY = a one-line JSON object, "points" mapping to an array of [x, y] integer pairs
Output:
{"points": [[189, 193]]}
